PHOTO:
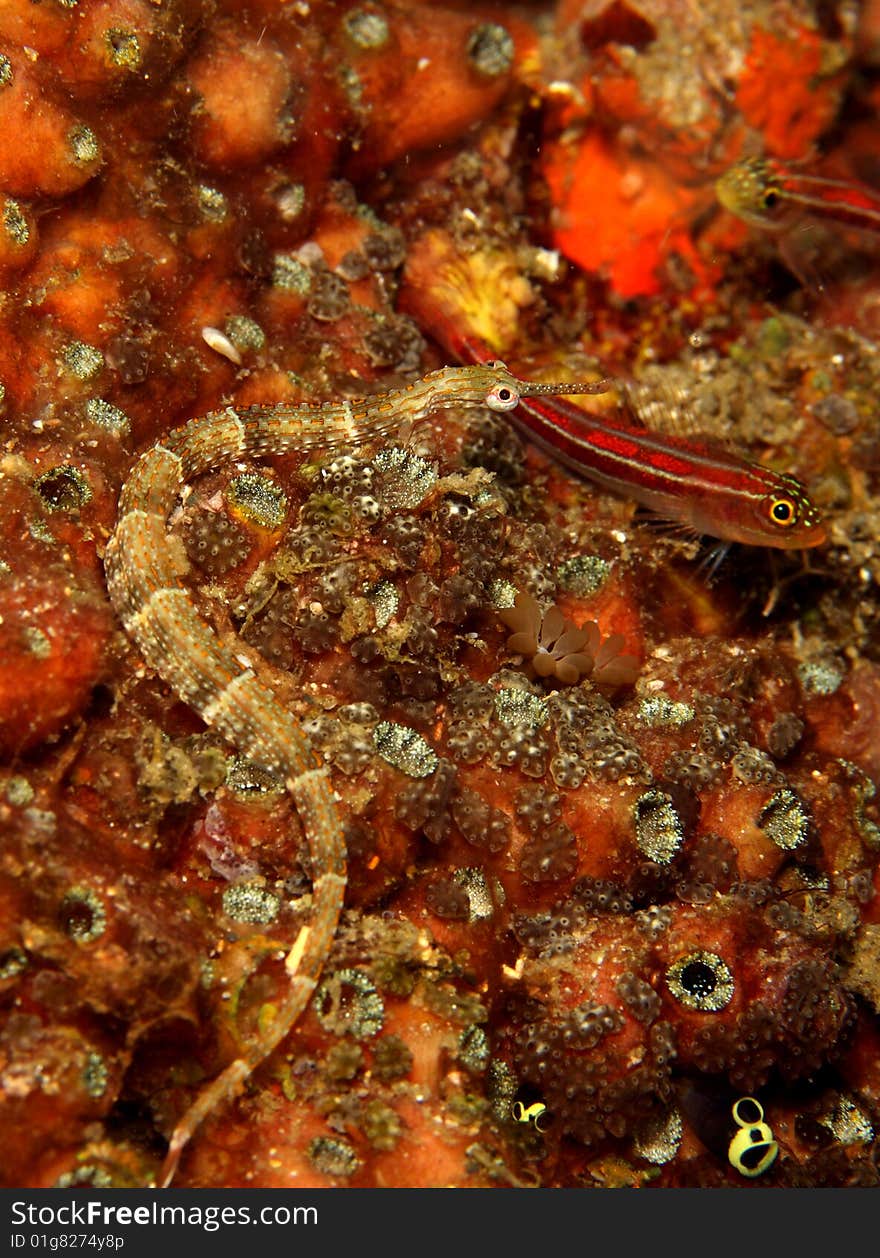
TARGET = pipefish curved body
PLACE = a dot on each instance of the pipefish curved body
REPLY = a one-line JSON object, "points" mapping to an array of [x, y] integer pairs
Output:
{"points": [[160, 616]]}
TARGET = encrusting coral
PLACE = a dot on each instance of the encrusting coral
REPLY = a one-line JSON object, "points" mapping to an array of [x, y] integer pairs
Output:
{"points": [[612, 833]]}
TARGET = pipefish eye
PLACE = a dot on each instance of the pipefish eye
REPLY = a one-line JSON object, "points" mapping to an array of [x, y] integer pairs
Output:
{"points": [[783, 511], [770, 198], [502, 398]]}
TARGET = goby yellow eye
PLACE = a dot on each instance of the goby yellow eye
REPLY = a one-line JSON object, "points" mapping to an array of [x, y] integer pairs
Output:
{"points": [[783, 511]]}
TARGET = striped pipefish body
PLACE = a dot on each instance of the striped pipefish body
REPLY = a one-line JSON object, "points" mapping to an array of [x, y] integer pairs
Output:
{"points": [[159, 615]]}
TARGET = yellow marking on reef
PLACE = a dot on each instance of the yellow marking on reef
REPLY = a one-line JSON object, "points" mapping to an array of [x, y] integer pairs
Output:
{"points": [[753, 1149]]}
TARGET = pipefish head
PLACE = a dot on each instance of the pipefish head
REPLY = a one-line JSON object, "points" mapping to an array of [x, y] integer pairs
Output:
{"points": [[504, 391], [753, 191]]}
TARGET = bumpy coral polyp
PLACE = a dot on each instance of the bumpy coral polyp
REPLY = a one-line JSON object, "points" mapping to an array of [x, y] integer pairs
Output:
{"points": [[45, 150], [426, 84], [246, 100], [735, 813], [51, 660]]}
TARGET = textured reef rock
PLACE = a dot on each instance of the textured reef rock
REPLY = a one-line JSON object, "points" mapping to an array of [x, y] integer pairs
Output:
{"points": [[589, 906]]}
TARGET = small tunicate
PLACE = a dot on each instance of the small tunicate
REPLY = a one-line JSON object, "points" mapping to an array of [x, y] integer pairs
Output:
{"points": [[19, 791], [821, 676], [82, 915], [95, 1075], [658, 827], [15, 222], [784, 820], [82, 360], [385, 600], [365, 29], [406, 479], [257, 499], [290, 199], [521, 708], [491, 50], [37, 642], [247, 778], [848, 1122], [333, 1157], [249, 902], [348, 1003], [472, 880], [290, 275], [244, 333], [63, 488], [84, 146], [701, 980], [661, 712], [105, 415], [658, 1141], [212, 203], [583, 574], [502, 593], [123, 48], [473, 1049], [501, 1088], [404, 749]]}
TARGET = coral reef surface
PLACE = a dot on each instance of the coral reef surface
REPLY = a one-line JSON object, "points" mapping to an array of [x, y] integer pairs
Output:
{"points": [[611, 821]]}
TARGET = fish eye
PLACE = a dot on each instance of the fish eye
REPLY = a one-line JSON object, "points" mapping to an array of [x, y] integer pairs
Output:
{"points": [[502, 398], [770, 198], [783, 511]]}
